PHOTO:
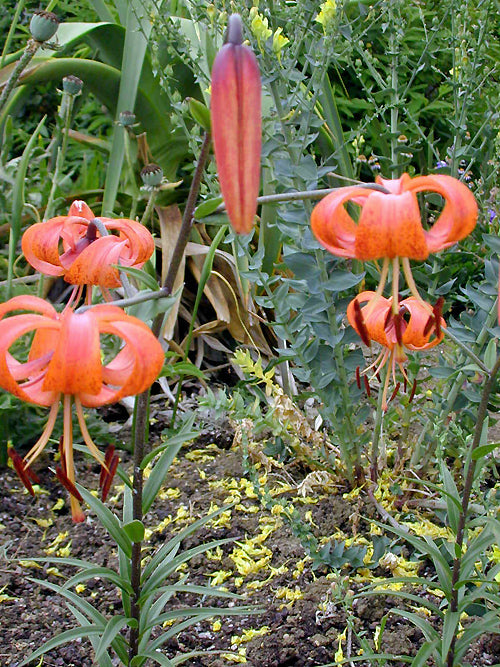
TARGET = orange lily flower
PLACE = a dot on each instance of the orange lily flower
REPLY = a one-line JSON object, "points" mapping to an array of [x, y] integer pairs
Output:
{"points": [[236, 126], [390, 225], [88, 255], [413, 325], [64, 364]]}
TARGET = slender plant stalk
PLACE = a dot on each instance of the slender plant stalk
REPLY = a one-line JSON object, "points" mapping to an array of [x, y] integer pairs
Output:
{"points": [[377, 429], [12, 29], [31, 48], [454, 389], [469, 479], [149, 207], [142, 400], [61, 153]]}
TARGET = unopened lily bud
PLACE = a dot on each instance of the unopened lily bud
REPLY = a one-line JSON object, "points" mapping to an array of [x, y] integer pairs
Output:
{"points": [[236, 126], [43, 25]]}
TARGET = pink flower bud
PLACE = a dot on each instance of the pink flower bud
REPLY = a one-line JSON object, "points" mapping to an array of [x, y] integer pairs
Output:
{"points": [[236, 126]]}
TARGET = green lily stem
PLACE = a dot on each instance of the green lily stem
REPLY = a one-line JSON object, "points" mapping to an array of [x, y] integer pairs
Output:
{"points": [[469, 479], [141, 407], [32, 47], [377, 428]]}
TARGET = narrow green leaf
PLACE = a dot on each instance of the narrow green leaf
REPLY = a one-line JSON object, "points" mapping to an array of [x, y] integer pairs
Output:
{"points": [[112, 628], [203, 614], [105, 660], [138, 29], [103, 573], [484, 450], [450, 625], [171, 442], [207, 208], [63, 638], [423, 624], [108, 520], [332, 117], [102, 10], [141, 277], [158, 474], [424, 653], [490, 354], [168, 567], [452, 497], [152, 655], [18, 201]]}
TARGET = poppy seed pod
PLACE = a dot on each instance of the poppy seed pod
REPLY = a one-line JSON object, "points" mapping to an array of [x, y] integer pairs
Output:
{"points": [[43, 25], [236, 126]]}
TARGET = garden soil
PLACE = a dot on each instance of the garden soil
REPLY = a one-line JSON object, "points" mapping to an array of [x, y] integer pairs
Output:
{"points": [[305, 616]]}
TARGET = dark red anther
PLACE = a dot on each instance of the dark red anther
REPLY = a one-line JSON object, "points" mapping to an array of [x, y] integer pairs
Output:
{"points": [[405, 384], [367, 386], [25, 474], [68, 485], [360, 324], [429, 325], [437, 309], [377, 375], [110, 473], [358, 378], [110, 451], [413, 390], [395, 392], [62, 455]]}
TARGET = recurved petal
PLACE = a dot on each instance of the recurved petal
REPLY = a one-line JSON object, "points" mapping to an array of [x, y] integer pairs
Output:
{"points": [[416, 335], [140, 243], [459, 215], [13, 371], [40, 245], [136, 366], [28, 302], [333, 226], [149, 355], [76, 363]]}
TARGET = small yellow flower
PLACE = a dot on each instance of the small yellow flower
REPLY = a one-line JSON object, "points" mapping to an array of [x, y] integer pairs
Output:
{"points": [[260, 27], [327, 14], [279, 41]]}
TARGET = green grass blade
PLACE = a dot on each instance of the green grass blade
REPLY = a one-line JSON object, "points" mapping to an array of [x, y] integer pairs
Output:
{"points": [[138, 29], [18, 203]]}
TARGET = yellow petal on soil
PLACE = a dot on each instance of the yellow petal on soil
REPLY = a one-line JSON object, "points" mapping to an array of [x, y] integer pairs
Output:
{"points": [[43, 523]]}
